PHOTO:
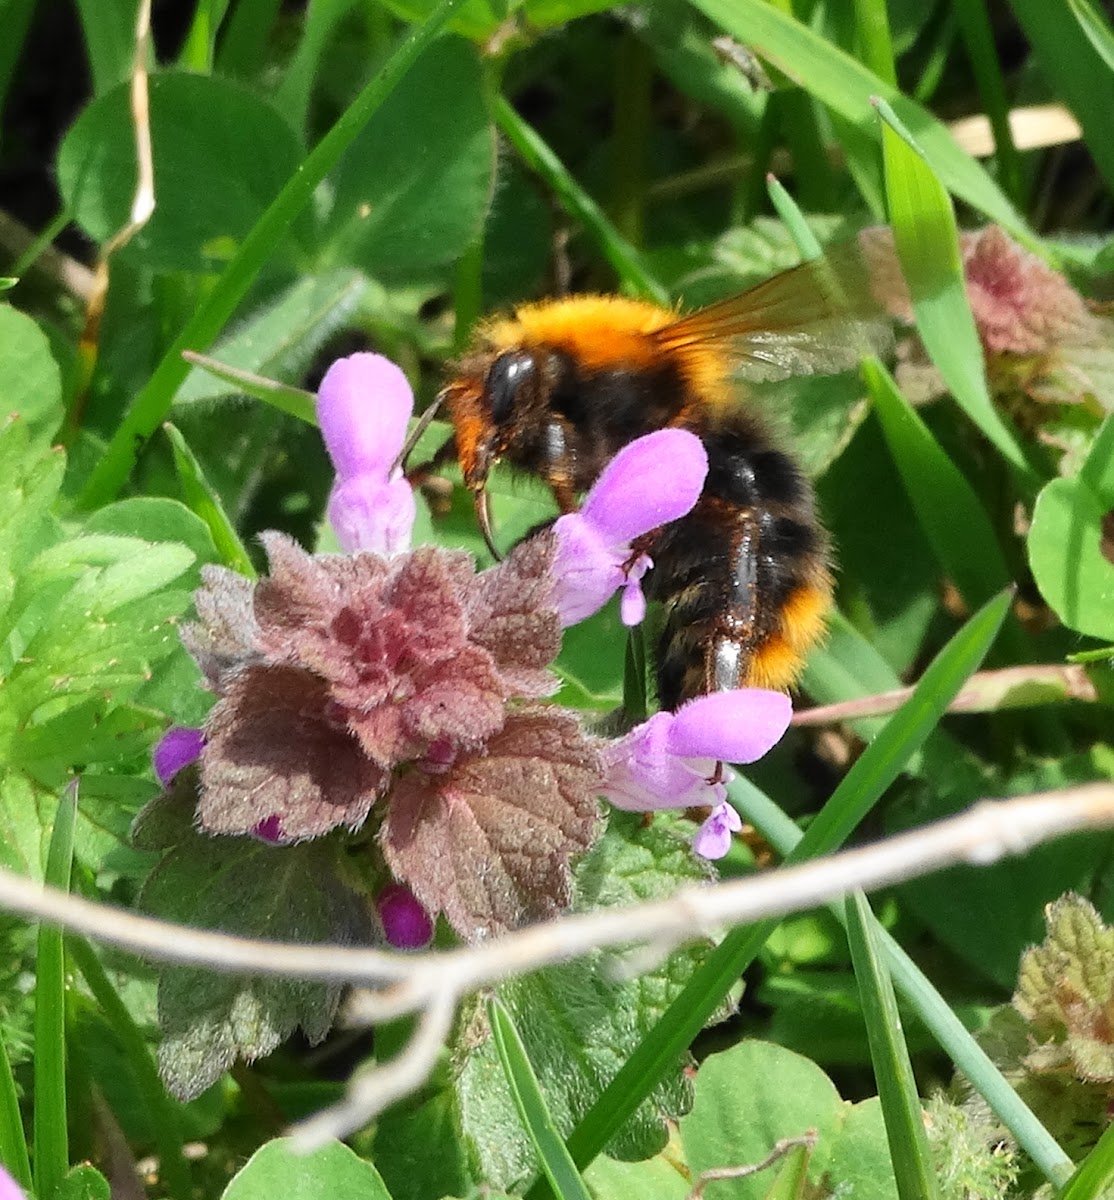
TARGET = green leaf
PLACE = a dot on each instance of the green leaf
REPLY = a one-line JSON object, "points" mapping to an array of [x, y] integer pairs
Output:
{"points": [[30, 380], [83, 1182], [328, 1173], [532, 1112], [928, 246], [847, 87], [395, 211], [753, 1095], [281, 339], [199, 126], [656, 1178], [893, 1072], [1066, 542], [51, 1127], [285, 893]]}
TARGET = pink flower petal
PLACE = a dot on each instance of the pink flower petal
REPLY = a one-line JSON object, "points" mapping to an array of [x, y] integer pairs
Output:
{"points": [[369, 514], [650, 482], [643, 775], [737, 726], [713, 838], [586, 572], [9, 1190], [177, 748], [363, 406]]}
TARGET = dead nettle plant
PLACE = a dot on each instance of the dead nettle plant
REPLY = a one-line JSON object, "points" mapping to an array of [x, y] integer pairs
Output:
{"points": [[383, 764]]}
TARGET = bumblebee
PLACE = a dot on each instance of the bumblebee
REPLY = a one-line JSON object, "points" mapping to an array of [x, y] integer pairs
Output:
{"points": [[745, 579]]}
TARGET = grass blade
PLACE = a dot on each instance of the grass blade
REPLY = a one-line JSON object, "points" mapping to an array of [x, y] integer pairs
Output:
{"points": [[953, 1037], [202, 500], [879, 765], [847, 87], [552, 1154], [13, 1144], [1097, 29], [946, 505], [151, 405], [928, 246], [1094, 1177], [893, 1072], [978, 38], [1064, 52], [51, 1135], [174, 1171]]}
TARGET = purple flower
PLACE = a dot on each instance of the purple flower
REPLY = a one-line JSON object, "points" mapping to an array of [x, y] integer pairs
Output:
{"points": [[406, 924], [713, 838], [650, 482], [669, 761], [9, 1189], [363, 406], [177, 748]]}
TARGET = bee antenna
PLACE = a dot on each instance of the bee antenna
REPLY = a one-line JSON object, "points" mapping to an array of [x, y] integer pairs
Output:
{"points": [[422, 424]]}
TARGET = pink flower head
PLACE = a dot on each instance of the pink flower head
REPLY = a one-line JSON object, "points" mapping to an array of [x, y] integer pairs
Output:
{"points": [[406, 924], [9, 1189], [669, 760], [176, 749], [363, 406], [649, 483]]}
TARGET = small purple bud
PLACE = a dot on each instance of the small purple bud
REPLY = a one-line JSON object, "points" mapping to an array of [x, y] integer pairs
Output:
{"points": [[406, 923], [177, 748], [270, 830]]}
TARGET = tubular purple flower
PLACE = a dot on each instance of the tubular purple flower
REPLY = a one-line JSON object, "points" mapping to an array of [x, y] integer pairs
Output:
{"points": [[650, 482], [363, 406], [669, 761], [176, 749]]}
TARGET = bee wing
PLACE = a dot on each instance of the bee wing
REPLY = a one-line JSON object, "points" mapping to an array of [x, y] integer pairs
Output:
{"points": [[816, 319]]}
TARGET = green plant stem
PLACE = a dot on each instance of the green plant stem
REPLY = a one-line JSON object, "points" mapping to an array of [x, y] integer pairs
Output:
{"points": [[244, 40], [150, 407], [173, 1168], [623, 257], [630, 136]]}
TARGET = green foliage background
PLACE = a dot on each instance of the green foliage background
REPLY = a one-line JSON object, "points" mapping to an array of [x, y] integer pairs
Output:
{"points": [[349, 174]]}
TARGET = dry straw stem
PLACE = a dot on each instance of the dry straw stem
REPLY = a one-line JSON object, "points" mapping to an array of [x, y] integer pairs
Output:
{"points": [[432, 984]]}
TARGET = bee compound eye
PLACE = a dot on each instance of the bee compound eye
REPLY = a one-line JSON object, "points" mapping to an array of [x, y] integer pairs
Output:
{"points": [[507, 376]]}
